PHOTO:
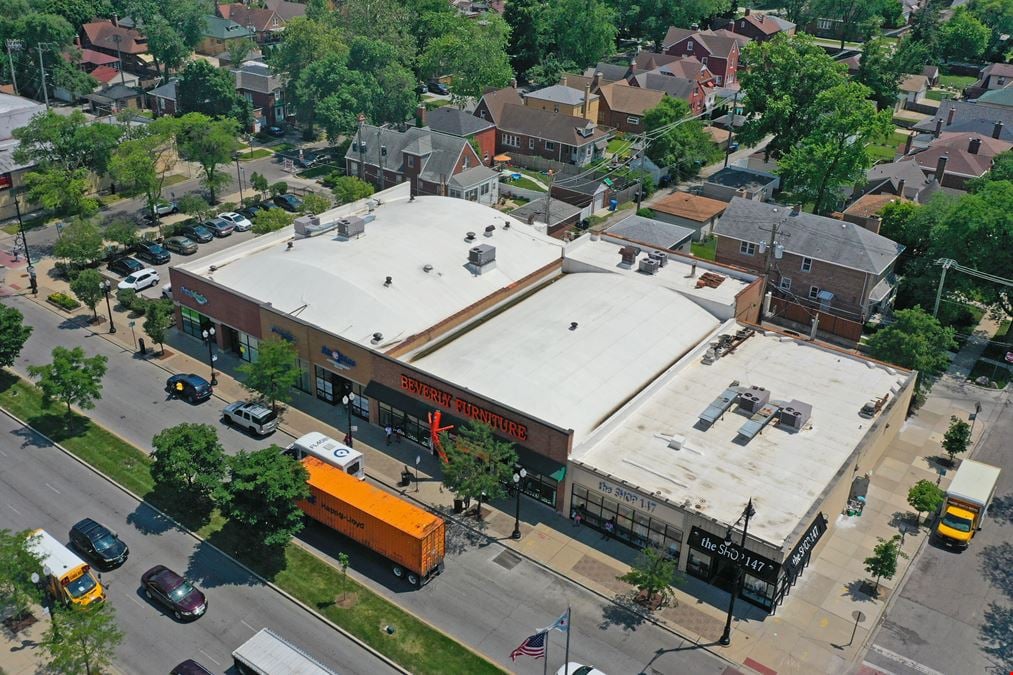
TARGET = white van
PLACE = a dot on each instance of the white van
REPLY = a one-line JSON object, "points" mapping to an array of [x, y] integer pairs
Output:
{"points": [[326, 449]]}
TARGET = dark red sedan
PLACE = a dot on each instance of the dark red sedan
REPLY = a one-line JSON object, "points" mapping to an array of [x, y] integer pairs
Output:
{"points": [[177, 594]]}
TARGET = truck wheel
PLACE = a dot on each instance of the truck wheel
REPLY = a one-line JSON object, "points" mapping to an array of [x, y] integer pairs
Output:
{"points": [[398, 572], [413, 580]]}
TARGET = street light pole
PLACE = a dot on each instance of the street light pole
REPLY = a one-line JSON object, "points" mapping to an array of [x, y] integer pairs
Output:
{"points": [[209, 335], [347, 400], [12, 46], [519, 474], [42, 69], [239, 178], [726, 636], [33, 282], [105, 288]]}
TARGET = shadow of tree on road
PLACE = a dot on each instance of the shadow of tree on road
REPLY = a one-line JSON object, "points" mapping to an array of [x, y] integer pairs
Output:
{"points": [[623, 611], [860, 590], [1001, 510], [996, 567], [996, 635]]}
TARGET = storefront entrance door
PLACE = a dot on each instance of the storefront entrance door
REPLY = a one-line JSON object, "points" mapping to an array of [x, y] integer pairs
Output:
{"points": [[724, 574]]}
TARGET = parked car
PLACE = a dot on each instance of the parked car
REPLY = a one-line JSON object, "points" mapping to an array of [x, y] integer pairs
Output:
{"points": [[193, 388], [164, 208], [572, 668], [190, 667], [421, 88], [267, 205], [125, 266], [239, 221], [98, 543], [152, 252], [138, 281], [289, 202], [277, 132], [255, 418], [177, 594], [250, 212], [435, 87], [180, 244], [197, 233], [219, 227]]}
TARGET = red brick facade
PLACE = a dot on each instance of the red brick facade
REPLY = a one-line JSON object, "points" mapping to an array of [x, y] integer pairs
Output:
{"points": [[724, 66]]}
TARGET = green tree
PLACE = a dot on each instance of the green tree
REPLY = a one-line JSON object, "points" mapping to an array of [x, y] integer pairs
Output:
{"points": [[343, 566], [392, 98], [271, 220], [348, 189], [56, 36], [80, 243], [1002, 169], [210, 143], [76, 12], [880, 72], [69, 142], [13, 335], [304, 44], [786, 75], [17, 563], [475, 53], [72, 377], [315, 203], [583, 30], [652, 574], [854, 16], [957, 438], [882, 564], [279, 188], [274, 373], [87, 287], [684, 148], [194, 205], [914, 340], [122, 230], [527, 21], [173, 29], [62, 191], [189, 459], [998, 16], [140, 165], [833, 154], [165, 45], [258, 182], [963, 37], [925, 496], [549, 70], [211, 91], [387, 21], [158, 318], [478, 464], [261, 495], [82, 639], [650, 19], [238, 50]]}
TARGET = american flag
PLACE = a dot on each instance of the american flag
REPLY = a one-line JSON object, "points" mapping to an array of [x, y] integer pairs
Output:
{"points": [[533, 646]]}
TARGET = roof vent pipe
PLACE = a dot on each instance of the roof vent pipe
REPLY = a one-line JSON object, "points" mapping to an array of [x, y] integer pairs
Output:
{"points": [[573, 325], [470, 236], [489, 230], [377, 337], [388, 281], [427, 268]]}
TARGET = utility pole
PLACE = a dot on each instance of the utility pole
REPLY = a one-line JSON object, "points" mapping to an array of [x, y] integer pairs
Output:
{"points": [[548, 199], [362, 158], [775, 230], [946, 263], [117, 38], [640, 176], [42, 69], [13, 46], [24, 241], [731, 127], [380, 151]]}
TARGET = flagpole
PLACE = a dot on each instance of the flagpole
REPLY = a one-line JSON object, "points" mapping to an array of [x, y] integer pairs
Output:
{"points": [[545, 665], [569, 629]]}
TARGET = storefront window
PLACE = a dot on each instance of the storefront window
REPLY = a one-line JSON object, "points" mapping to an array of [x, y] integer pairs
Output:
{"points": [[540, 487], [303, 384], [410, 427], [699, 564], [249, 347], [325, 385], [758, 591], [360, 402], [193, 322], [633, 527]]}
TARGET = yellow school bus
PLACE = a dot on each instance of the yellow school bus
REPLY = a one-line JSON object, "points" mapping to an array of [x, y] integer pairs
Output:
{"points": [[67, 578]]}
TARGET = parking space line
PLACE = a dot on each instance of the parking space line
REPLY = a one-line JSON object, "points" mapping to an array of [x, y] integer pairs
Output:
{"points": [[53, 489], [210, 658], [903, 660], [248, 625], [13, 509]]}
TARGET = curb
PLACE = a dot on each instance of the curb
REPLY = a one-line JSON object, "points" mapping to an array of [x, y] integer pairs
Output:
{"points": [[197, 537]]}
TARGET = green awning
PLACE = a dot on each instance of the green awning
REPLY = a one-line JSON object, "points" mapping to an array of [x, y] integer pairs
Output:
{"points": [[559, 474]]}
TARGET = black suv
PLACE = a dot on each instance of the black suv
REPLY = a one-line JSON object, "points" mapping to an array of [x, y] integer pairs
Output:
{"points": [[153, 253], [193, 388], [98, 543], [125, 266]]}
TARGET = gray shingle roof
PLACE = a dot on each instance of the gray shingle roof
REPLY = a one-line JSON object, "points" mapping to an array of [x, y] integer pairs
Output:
{"points": [[609, 71], [450, 120], [439, 152], [547, 125], [558, 211], [560, 93], [970, 117], [652, 232], [828, 239], [674, 86], [166, 91], [473, 176]]}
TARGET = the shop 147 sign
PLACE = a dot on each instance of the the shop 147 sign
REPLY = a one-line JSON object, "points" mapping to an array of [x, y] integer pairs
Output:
{"points": [[753, 564]]}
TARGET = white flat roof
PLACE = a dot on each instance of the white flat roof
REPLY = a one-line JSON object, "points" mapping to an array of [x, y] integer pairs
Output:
{"points": [[677, 275], [715, 472], [628, 332], [339, 285]]}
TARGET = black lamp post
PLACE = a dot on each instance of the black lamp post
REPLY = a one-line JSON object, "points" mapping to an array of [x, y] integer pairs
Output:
{"points": [[347, 400], [32, 280], [209, 335], [519, 474], [239, 177], [105, 285], [749, 512]]}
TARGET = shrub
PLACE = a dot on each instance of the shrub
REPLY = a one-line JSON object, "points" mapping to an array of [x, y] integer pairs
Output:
{"points": [[64, 301], [130, 300]]}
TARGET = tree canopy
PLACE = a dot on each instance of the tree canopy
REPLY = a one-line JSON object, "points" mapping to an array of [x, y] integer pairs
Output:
{"points": [[914, 340], [261, 495], [963, 37], [474, 53], [189, 459], [275, 371], [478, 463], [13, 335], [72, 377], [211, 91], [81, 639], [210, 143], [685, 148]]}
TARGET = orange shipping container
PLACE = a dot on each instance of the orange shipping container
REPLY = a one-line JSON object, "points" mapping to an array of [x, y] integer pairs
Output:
{"points": [[410, 537]]}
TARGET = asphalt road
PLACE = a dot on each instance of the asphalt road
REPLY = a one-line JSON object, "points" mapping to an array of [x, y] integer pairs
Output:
{"points": [[486, 598], [42, 487], [936, 623]]}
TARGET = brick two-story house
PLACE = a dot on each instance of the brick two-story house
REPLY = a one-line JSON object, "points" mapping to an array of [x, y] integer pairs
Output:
{"points": [[434, 163], [525, 131], [126, 44], [455, 122], [823, 263], [490, 106], [263, 89], [759, 26], [717, 49], [267, 24], [565, 100]]}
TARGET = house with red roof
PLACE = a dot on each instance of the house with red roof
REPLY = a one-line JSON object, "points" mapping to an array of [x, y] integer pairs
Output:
{"points": [[124, 44], [719, 50], [759, 26]]}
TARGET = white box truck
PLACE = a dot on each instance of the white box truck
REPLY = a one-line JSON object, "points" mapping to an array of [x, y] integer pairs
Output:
{"points": [[329, 451], [967, 501]]}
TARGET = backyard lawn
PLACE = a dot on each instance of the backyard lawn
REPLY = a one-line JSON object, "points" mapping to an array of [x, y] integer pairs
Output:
{"points": [[885, 150], [957, 81], [939, 94], [706, 249]]}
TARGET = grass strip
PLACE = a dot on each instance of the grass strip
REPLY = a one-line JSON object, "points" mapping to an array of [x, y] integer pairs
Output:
{"points": [[707, 249], [259, 153], [344, 601]]}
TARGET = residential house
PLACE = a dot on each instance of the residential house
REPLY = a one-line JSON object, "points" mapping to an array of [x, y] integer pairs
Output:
{"points": [[822, 263], [286, 10], [590, 194], [736, 181], [565, 100], [718, 50], [1000, 98], [434, 163], [105, 68], [162, 99], [688, 67], [964, 117], [902, 177], [554, 214], [456, 122], [219, 33], [653, 233], [610, 72], [912, 89], [759, 26], [865, 211], [267, 25], [690, 211], [623, 107], [113, 99], [490, 106], [698, 97], [126, 44], [263, 89], [524, 131], [931, 73], [992, 76], [954, 158]]}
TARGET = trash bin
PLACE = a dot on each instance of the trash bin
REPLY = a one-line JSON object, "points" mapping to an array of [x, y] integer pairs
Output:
{"points": [[141, 349], [458, 505]]}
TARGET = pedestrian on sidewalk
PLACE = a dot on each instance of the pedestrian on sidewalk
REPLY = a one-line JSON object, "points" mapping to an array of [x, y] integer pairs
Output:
{"points": [[389, 432], [398, 433], [575, 515], [610, 527]]}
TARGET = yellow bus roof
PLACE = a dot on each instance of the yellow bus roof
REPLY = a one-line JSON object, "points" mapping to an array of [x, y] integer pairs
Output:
{"points": [[58, 558]]}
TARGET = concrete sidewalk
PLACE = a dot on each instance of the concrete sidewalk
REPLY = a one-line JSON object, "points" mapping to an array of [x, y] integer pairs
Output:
{"points": [[22, 653], [810, 632]]}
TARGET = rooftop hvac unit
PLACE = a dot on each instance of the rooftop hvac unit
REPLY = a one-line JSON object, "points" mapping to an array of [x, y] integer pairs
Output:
{"points": [[305, 225], [753, 399], [481, 255], [795, 414], [368, 218], [351, 226], [659, 256], [649, 266]]}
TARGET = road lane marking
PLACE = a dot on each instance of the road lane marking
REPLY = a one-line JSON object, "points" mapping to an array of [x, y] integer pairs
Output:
{"points": [[139, 603], [878, 668], [3, 453], [248, 625], [13, 509], [53, 489], [209, 657], [913, 665]]}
